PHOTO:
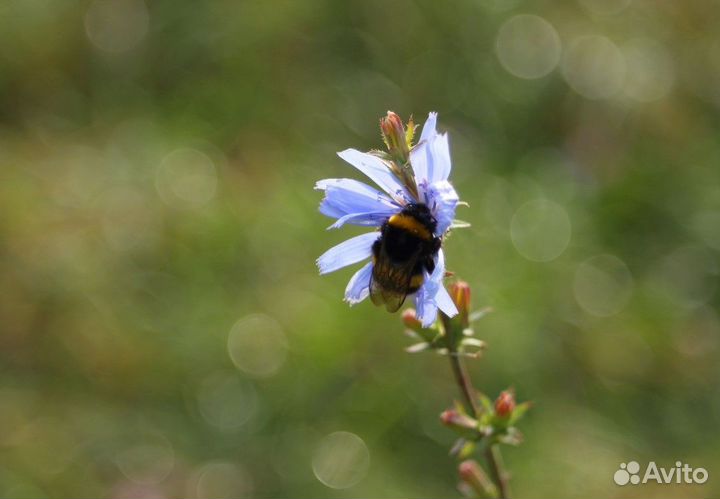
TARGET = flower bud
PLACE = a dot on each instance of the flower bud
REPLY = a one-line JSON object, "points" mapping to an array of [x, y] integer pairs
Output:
{"points": [[409, 318], [453, 419], [505, 404], [460, 294], [475, 477], [394, 135]]}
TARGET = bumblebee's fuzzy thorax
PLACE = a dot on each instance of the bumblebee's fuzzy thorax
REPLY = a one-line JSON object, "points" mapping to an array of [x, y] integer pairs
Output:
{"points": [[415, 219]]}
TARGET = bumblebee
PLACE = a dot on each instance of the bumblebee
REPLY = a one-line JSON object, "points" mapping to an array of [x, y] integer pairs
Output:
{"points": [[407, 247]]}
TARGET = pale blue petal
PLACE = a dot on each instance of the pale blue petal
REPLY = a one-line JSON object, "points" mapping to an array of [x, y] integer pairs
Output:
{"points": [[351, 196], [358, 287], [378, 171], [355, 203], [428, 130], [440, 150], [442, 201], [432, 162], [330, 210], [371, 219], [419, 158], [432, 294], [346, 253], [445, 303], [367, 219], [426, 308]]}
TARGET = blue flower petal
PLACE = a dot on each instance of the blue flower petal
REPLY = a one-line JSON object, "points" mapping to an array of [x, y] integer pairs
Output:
{"points": [[419, 159], [441, 165], [372, 219], [426, 308], [358, 287], [346, 253], [378, 171], [354, 202], [442, 201], [445, 303], [432, 294], [434, 165], [428, 130]]}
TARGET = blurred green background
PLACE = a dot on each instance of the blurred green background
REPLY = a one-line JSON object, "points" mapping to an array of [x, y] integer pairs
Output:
{"points": [[163, 329]]}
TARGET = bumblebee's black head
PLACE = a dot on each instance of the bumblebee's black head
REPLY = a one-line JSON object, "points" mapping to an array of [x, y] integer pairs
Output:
{"points": [[422, 214]]}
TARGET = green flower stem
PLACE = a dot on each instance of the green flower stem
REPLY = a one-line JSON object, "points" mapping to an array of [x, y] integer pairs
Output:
{"points": [[497, 469], [464, 383], [492, 453]]}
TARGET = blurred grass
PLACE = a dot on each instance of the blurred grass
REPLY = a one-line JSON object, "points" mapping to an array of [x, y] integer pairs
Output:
{"points": [[123, 272]]}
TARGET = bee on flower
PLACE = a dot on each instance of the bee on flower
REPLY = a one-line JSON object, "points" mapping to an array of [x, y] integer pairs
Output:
{"points": [[411, 215]]}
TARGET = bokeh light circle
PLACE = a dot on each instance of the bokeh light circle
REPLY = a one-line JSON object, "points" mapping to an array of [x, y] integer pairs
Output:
{"points": [[540, 230], [186, 178], [650, 70], [528, 46], [603, 285], [116, 26], [223, 480], [226, 401], [257, 345], [149, 462], [594, 67], [341, 460]]}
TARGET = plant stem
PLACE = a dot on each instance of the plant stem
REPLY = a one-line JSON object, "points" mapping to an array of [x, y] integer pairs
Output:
{"points": [[492, 453], [497, 469], [464, 383]]}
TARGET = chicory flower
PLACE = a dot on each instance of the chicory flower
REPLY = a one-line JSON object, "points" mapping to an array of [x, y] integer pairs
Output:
{"points": [[416, 175]]}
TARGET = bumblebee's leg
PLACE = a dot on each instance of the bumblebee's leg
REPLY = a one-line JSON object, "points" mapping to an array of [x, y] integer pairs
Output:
{"points": [[433, 247], [376, 248], [436, 243], [429, 264]]}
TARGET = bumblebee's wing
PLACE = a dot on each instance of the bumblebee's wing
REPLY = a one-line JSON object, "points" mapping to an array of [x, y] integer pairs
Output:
{"points": [[390, 281], [392, 299]]}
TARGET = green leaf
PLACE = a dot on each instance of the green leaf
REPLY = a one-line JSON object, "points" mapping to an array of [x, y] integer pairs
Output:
{"points": [[460, 224], [410, 132], [460, 407], [413, 334], [380, 154], [486, 403], [457, 446], [418, 347], [462, 448], [479, 314], [466, 450], [511, 437], [474, 342], [519, 411]]}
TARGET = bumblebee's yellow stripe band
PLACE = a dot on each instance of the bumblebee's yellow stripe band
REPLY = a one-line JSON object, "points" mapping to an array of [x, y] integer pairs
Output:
{"points": [[411, 225]]}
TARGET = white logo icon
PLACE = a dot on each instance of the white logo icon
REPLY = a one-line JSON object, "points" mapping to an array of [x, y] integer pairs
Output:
{"points": [[628, 473], [681, 473]]}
